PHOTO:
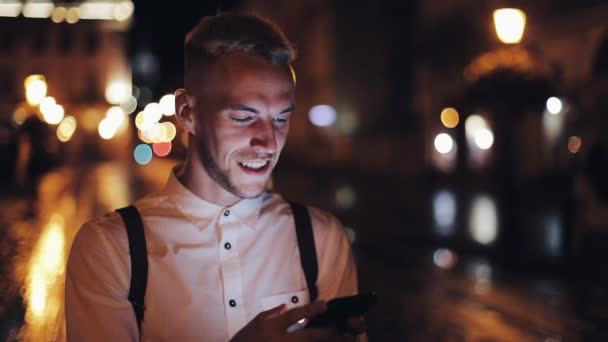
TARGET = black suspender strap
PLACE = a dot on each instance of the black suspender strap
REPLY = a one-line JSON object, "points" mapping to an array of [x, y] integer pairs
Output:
{"points": [[139, 260], [306, 245]]}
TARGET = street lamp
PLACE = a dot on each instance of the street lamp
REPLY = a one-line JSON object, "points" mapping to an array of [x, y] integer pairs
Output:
{"points": [[510, 24]]}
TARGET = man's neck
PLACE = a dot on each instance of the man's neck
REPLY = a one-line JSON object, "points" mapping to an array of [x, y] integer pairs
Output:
{"points": [[196, 179]]}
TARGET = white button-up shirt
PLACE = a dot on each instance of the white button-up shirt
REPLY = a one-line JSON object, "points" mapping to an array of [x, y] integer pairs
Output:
{"points": [[212, 269]]}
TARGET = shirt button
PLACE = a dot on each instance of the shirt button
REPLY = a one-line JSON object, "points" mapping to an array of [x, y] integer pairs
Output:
{"points": [[232, 303], [295, 299], [227, 245], [227, 213]]}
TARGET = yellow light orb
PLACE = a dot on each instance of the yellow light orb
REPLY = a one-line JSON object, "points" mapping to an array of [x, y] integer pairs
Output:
{"points": [[450, 117]]}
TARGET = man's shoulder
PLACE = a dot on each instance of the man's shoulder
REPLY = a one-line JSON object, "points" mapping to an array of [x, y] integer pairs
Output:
{"points": [[322, 221]]}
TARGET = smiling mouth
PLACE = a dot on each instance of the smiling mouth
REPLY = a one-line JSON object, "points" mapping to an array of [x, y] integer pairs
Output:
{"points": [[255, 166]]}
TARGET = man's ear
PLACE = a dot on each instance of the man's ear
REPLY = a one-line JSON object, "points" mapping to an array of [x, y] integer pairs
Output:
{"points": [[184, 110]]}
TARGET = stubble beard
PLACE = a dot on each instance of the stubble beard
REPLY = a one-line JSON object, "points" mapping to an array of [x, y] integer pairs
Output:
{"points": [[220, 176]]}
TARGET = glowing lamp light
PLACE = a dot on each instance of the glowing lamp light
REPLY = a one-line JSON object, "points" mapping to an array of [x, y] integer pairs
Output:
{"points": [[484, 138], [10, 8], [167, 104], [450, 117], [510, 24], [142, 154], [55, 115], [66, 129], [171, 131], [59, 14], [322, 115], [152, 112], [38, 9], [123, 10], [554, 105], [46, 105], [130, 105], [444, 143], [73, 15], [35, 89], [118, 92], [106, 129], [483, 220]]}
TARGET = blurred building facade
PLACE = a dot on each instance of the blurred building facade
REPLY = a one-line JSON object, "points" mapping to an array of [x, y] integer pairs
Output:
{"points": [[79, 49]]}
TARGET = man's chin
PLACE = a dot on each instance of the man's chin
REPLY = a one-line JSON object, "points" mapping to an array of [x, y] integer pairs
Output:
{"points": [[251, 191]]}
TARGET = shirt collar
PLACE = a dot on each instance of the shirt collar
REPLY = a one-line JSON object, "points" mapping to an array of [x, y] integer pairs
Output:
{"points": [[202, 213]]}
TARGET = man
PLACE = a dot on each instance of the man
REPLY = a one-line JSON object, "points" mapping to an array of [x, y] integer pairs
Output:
{"points": [[223, 254]]}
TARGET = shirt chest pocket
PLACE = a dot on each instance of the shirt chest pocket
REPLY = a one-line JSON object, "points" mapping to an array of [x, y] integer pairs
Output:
{"points": [[290, 299]]}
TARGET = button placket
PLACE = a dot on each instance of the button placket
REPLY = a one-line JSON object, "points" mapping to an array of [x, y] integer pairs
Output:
{"points": [[232, 281]]}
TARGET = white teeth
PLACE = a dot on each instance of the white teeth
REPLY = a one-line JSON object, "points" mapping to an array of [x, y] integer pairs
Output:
{"points": [[254, 164]]}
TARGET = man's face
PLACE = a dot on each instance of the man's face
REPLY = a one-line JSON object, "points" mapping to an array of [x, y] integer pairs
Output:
{"points": [[242, 118]]}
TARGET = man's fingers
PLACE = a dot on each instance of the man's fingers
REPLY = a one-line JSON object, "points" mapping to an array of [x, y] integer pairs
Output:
{"points": [[274, 312], [307, 311]]}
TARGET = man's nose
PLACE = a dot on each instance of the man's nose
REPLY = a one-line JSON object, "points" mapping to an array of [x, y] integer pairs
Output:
{"points": [[264, 136]]}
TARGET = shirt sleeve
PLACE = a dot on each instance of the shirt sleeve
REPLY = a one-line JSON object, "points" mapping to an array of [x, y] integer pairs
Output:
{"points": [[97, 283], [337, 269]]}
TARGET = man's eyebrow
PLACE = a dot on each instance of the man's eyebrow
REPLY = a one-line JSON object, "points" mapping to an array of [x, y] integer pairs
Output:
{"points": [[243, 108], [288, 109]]}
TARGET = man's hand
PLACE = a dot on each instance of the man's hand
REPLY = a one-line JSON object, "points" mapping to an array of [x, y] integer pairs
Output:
{"points": [[272, 325]]}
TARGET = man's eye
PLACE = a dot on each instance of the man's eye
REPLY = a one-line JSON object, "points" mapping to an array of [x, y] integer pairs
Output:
{"points": [[281, 119], [241, 120]]}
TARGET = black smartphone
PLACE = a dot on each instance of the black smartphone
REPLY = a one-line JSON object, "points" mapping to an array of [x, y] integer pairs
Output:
{"points": [[342, 308]]}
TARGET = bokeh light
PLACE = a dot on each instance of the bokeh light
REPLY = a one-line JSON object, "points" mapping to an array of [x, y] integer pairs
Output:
{"points": [[170, 129], [167, 104], [484, 138], [54, 115], [118, 92], [10, 9], [106, 129], [322, 115], [554, 105], [346, 197], [444, 212], [162, 149], [483, 220], [130, 105], [73, 15], [142, 154], [37, 9], [443, 143], [450, 117], [510, 24], [153, 113], [444, 258], [574, 144], [35, 89], [59, 14], [20, 115], [66, 129], [123, 10]]}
